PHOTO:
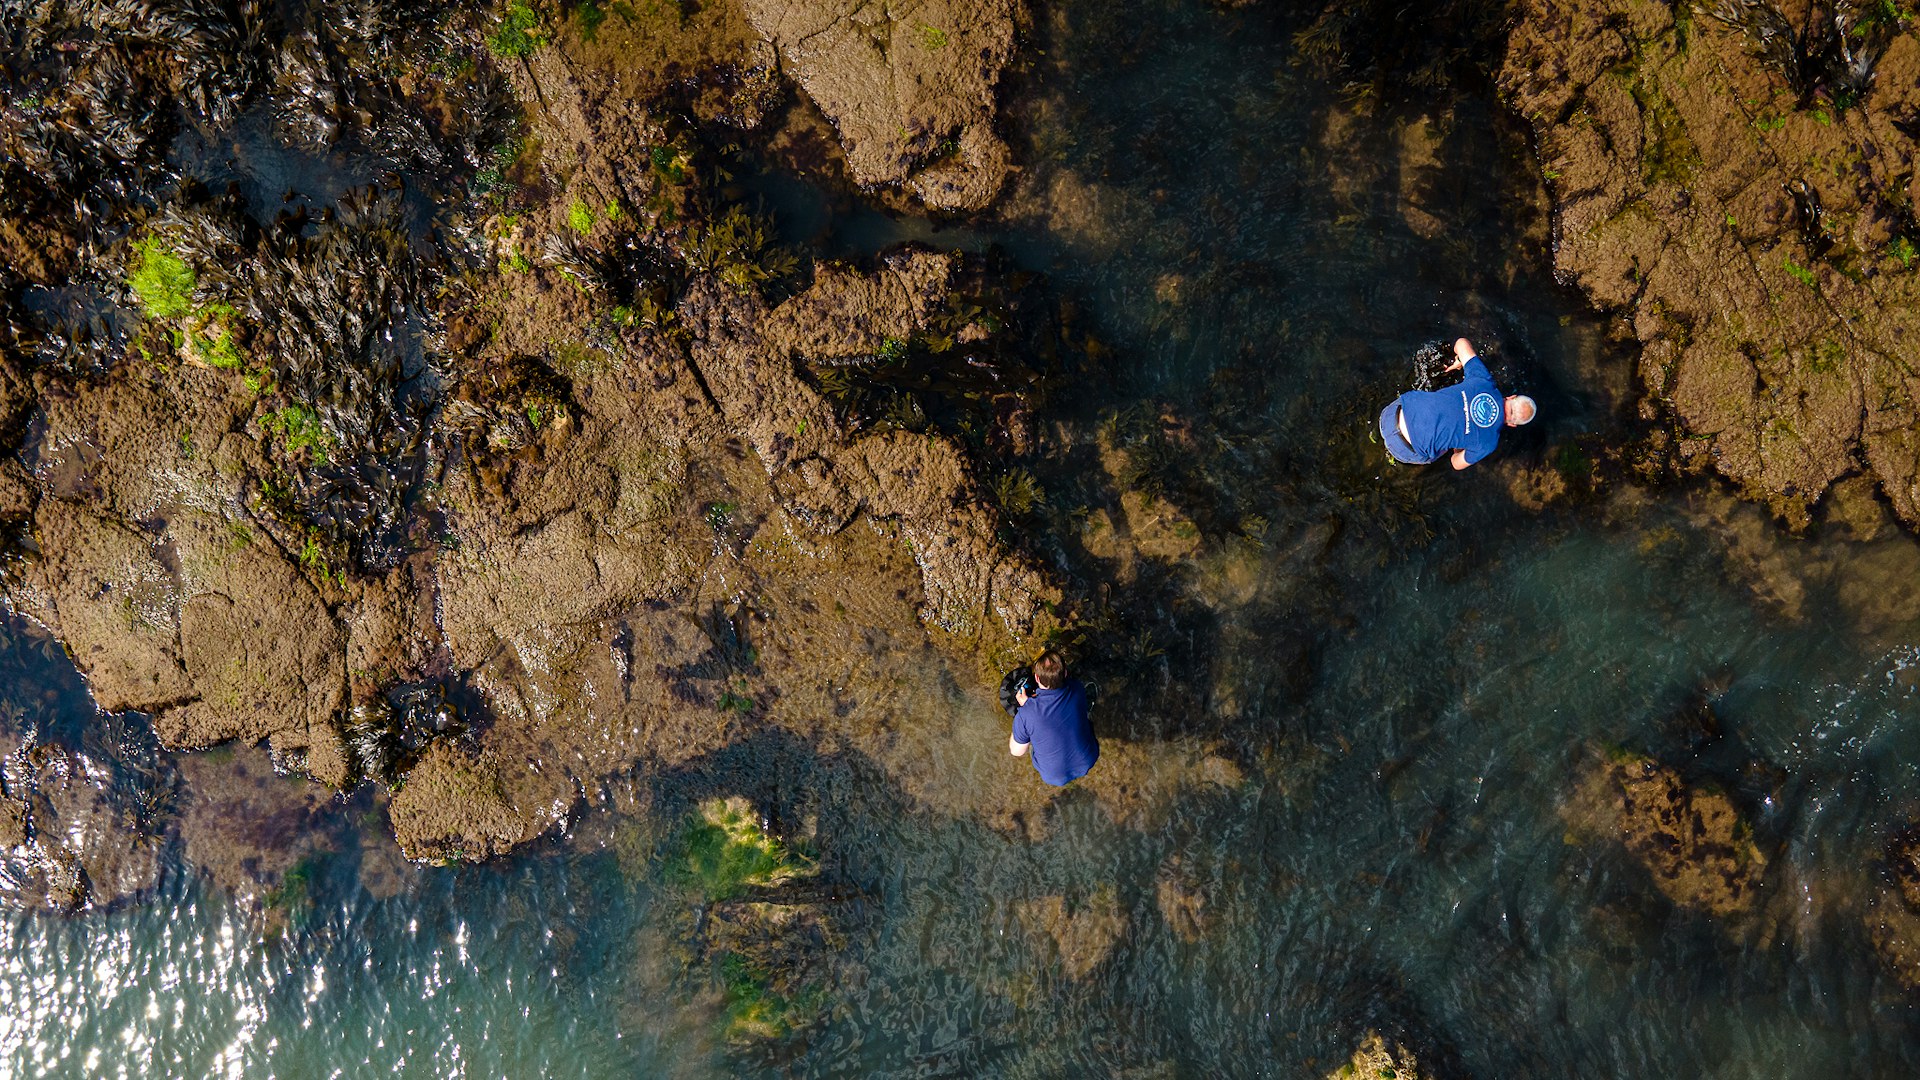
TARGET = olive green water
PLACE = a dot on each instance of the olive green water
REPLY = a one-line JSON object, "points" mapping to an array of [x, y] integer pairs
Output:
{"points": [[1413, 668]]}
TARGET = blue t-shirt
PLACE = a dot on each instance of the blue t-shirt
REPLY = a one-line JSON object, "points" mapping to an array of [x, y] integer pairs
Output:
{"points": [[1055, 723], [1467, 417]]}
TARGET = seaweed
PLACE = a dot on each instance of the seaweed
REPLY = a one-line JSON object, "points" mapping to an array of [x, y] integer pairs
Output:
{"points": [[723, 851], [1832, 51], [520, 32], [739, 248], [1810, 217]]}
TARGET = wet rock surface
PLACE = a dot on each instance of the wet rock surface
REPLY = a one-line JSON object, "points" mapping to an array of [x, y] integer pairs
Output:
{"points": [[1750, 219], [1692, 840], [73, 838], [909, 87]]}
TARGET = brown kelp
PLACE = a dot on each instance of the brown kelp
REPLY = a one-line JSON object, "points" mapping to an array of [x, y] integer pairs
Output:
{"points": [[1830, 49]]}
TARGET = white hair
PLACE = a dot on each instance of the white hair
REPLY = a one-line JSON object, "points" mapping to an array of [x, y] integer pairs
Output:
{"points": [[1532, 410]]}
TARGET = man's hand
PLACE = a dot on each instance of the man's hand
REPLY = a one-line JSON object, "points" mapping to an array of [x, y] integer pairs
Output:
{"points": [[1020, 695]]}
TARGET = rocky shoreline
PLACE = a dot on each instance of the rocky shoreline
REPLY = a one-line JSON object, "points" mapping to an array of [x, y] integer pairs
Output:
{"points": [[486, 511]]}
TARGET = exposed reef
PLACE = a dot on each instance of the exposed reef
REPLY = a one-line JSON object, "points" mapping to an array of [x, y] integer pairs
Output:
{"points": [[911, 88], [1734, 180], [590, 474]]}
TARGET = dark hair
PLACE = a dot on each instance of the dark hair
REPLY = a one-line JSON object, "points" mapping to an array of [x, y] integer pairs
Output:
{"points": [[1049, 670]]}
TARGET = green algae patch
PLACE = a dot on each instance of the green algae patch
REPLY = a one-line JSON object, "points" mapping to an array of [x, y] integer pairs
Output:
{"points": [[580, 216], [300, 426], [162, 280], [724, 850], [519, 33], [755, 1010], [208, 338]]}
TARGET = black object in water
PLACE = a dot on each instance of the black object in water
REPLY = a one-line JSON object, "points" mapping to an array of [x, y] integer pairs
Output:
{"points": [[1430, 363]]}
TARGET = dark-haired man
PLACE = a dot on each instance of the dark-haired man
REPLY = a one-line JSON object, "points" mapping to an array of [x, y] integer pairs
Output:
{"points": [[1052, 722]]}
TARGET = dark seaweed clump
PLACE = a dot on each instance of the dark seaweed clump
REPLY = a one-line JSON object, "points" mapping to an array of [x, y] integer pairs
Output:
{"points": [[315, 306], [998, 333], [386, 739], [91, 90], [1830, 50], [323, 325], [393, 81]]}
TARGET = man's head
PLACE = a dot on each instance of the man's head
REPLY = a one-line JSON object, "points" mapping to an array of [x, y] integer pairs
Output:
{"points": [[1049, 670], [1520, 410]]}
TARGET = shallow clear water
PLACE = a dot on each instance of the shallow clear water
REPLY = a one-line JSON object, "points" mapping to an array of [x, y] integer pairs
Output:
{"points": [[1395, 856]]}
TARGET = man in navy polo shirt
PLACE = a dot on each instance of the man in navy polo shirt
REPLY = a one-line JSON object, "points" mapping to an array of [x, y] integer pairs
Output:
{"points": [[1053, 724], [1421, 425]]}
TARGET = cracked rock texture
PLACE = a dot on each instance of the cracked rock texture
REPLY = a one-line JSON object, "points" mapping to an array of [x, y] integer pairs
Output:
{"points": [[909, 84], [1757, 239]]}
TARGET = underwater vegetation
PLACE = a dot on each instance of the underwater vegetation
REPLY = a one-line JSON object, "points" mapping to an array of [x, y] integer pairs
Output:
{"points": [[1381, 50], [755, 1009], [740, 248], [724, 850]]}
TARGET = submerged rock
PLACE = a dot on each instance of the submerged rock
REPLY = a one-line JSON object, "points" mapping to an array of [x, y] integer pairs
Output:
{"points": [[72, 838], [1892, 915], [1184, 898], [1082, 933], [1693, 841], [256, 833], [1378, 1059]]}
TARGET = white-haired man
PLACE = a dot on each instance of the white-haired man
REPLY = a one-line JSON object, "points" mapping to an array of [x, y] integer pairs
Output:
{"points": [[1420, 425]]}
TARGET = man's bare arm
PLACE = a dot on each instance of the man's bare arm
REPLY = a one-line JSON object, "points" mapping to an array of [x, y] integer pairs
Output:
{"points": [[1460, 460], [1016, 747]]}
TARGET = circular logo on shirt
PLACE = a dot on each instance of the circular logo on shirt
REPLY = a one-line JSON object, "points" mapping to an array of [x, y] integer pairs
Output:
{"points": [[1484, 409]]}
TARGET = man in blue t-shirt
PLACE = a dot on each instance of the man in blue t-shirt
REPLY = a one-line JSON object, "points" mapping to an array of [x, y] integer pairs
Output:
{"points": [[1421, 425], [1052, 722]]}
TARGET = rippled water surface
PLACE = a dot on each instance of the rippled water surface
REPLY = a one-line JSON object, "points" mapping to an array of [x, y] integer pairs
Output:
{"points": [[1395, 856]]}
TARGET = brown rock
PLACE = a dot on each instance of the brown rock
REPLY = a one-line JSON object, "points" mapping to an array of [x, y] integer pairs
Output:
{"points": [[1685, 185], [454, 807], [910, 87], [1692, 841], [264, 653], [103, 590], [18, 492], [1084, 933]]}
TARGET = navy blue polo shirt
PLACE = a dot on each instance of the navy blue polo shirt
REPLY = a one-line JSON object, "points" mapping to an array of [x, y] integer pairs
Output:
{"points": [[1467, 416], [1055, 723]]}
